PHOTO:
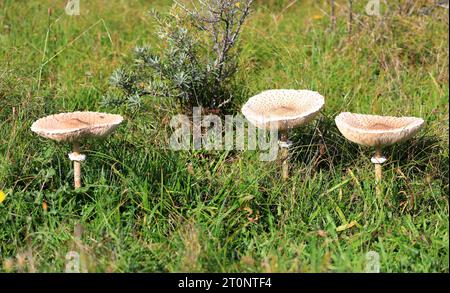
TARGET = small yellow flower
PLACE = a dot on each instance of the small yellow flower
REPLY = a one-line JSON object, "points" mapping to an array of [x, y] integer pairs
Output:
{"points": [[317, 16], [2, 196], [238, 4]]}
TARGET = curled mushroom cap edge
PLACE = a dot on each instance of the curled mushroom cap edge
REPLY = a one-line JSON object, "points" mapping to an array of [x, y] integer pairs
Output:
{"points": [[283, 108], [375, 130], [74, 126]]}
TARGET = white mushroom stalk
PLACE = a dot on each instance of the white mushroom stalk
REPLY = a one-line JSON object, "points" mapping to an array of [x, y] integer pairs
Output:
{"points": [[377, 131], [283, 110], [284, 144], [74, 128]]}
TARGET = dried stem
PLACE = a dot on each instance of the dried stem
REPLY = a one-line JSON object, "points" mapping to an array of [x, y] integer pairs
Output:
{"points": [[223, 21], [333, 15], [350, 16]]}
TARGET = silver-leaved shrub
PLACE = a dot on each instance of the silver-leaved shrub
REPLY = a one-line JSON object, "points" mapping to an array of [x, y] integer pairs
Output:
{"points": [[194, 62]]}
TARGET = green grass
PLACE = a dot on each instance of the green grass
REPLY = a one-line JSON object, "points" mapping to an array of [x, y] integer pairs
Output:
{"points": [[146, 208]]}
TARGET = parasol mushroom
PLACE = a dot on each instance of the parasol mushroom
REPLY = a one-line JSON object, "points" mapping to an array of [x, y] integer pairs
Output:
{"points": [[283, 110], [377, 131], [74, 128]]}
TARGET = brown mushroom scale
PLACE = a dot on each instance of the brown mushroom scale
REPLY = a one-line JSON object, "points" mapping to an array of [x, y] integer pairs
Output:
{"points": [[376, 126], [283, 111]]}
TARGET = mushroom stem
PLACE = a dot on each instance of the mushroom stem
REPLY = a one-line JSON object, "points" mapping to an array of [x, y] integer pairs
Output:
{"points": [[76, 165], [378, 172], [284, 154]]}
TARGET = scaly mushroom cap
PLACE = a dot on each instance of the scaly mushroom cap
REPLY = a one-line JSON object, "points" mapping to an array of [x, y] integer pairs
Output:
{"points": [[373, 130], [76, 126], [282, 109]]}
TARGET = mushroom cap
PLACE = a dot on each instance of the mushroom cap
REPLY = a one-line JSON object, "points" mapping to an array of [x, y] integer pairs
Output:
{"points": [[374, 130], [76, 126], [283, 108]]}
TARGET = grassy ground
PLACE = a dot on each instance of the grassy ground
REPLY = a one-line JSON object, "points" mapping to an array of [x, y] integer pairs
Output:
{"points": [[145, 208]]}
